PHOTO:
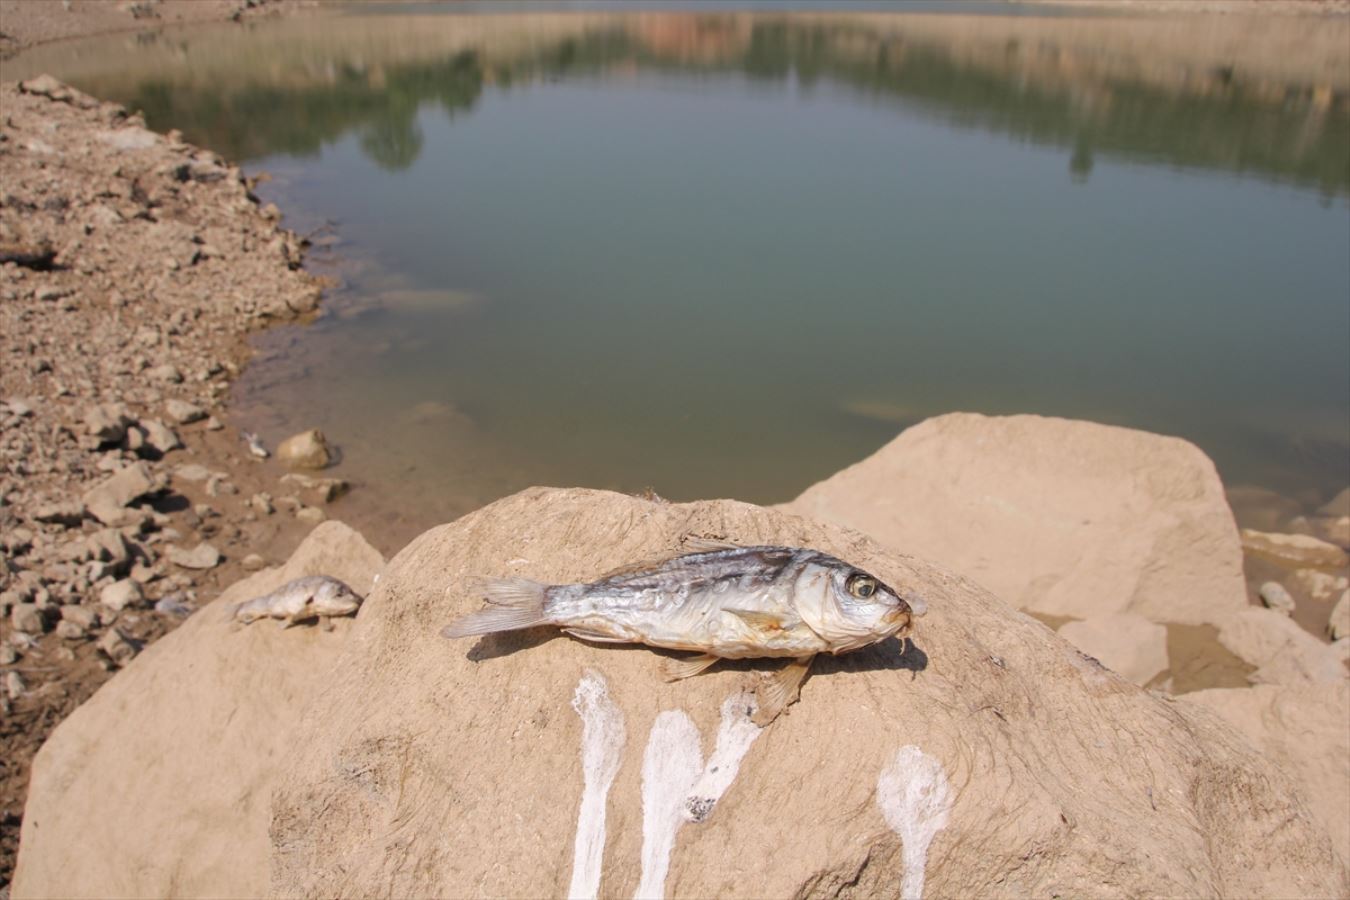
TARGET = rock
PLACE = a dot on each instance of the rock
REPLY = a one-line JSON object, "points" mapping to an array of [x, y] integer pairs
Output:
{"points": [[1333, 530], [192, 472], [68, 513], [1275, 597], [117, 647], [191, 735], [167, 373], [262, 503], [107, 502], [1320, 586], [121, 594], [8, 655], [214, 424], [1294, 549], [49, 87], [83, 616], [310, 515], [253, 562], [14, 686], [110, 546], [1058, 517], [306, 450], [108, 422], [26, 617], [173, 605], [325, 489], [203, 556], [70, 631], [1121, 792], [1338, 626], [1124, 643], [183, 412], [1282, 652], [1305, 732], [1337, 507], [160, 437]]}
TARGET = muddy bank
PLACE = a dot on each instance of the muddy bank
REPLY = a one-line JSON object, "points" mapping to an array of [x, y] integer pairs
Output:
{"points": [[29, 22], [133, 267]]}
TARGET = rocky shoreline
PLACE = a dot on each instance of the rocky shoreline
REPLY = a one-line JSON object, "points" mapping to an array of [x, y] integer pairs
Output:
{"points": [[132, 268]]}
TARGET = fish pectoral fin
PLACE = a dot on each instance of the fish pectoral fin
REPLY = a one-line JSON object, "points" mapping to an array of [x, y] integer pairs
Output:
{"points": [[680, 669], [780, 690], [765, 621], [697, 543], [595, 636]]}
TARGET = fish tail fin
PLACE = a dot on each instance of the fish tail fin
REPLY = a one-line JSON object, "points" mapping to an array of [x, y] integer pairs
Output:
{"points": [[515, 603]]}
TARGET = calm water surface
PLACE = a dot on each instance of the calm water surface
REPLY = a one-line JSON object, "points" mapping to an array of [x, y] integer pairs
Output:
{"points": [[729, 255]]}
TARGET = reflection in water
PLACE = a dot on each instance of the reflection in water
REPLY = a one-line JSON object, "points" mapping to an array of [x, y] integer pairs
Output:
{"points": [[729, 254]]}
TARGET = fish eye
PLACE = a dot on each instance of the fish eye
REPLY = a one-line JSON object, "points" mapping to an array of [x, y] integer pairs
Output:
{"points": [[861, 586]]}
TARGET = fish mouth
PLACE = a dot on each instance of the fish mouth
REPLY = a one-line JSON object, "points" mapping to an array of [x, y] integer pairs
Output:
{"points": [[899, 616]]}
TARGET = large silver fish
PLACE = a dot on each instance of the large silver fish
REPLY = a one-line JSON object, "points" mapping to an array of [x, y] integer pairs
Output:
{"points": [[726, 602]]}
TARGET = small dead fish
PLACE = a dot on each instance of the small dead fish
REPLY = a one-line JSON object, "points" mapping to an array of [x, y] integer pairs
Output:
{"points": [[311, 597], [255, 445], [726, 602]]}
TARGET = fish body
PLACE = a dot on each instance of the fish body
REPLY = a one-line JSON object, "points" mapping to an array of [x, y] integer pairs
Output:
{"points": [[730, 603], [311, 597]]}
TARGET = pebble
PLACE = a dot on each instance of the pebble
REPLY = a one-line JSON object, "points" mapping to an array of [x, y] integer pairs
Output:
{"points": [[253, 562], [27, 618], [84, 616], [14, 686], [1275, 597], [183, 412], [70, 631], [174, 605], [306, 450], [203, 556], [117, 648], [310, 515], [160, 437], [107, 502], [8, 655], [121, 594]]}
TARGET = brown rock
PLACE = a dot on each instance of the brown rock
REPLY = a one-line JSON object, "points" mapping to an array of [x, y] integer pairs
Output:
{"points": [[1294, 549], [306, 450], [1054, 516], [203, 556], [107, 502], [802, 812], [165, 778], [1306, 732]]}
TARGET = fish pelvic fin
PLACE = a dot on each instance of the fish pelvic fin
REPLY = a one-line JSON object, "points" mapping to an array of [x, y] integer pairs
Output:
{"points": [[514, 603], [780, 690], [679, 669]]}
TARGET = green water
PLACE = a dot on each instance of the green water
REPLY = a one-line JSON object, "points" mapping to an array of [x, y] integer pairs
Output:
{"points": [[729, 257]]}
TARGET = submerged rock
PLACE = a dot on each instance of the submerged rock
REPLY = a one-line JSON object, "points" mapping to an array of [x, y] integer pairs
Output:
{"points": [[164, 777], [1124, 643], [1275, 597], [1054, 516], [1294, 549], [306, 450]]}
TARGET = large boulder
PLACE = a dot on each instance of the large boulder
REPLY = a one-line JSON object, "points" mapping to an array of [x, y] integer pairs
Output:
{"points": [[1054, 516], [160, 785], [991, 756], [1306, 732]]}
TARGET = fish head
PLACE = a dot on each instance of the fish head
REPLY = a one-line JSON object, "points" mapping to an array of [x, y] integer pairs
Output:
{"points": [[851, 608], [333, 598]]}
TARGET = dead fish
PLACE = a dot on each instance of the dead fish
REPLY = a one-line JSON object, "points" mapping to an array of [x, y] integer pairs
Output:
{"points": [[725, 601], [255, 445], [311, 597]]}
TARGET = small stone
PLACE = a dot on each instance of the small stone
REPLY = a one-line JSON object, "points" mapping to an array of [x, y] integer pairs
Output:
{"points": [[214, 424], [84, 616], [325, 489], [160, 437], [310, 515], [192, 472], [1275, 597], [253, 562], [184, 412], [203, 556], [1294, 549], [8, 655], [306, 450], [109, 545], [173, 605], [262, 503], [70, 631], [14, 686], [26, 617], [1338, 626], [108, 501], [121, 594], [67, 514], [108, 422], [166, 373], [117, 648]]}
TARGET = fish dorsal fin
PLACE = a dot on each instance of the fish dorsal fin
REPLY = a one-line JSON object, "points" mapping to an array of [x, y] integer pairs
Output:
{"points": [[697, 543], [680, 669], [765, 621]]}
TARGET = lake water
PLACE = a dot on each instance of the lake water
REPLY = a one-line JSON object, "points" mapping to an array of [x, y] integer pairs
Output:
{"points": [[729, 254]]}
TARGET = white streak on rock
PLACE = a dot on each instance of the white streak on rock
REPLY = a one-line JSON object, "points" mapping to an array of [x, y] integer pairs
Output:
{"points": [[915, 798], [734, 737], [602, 740], [671, 764]]}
